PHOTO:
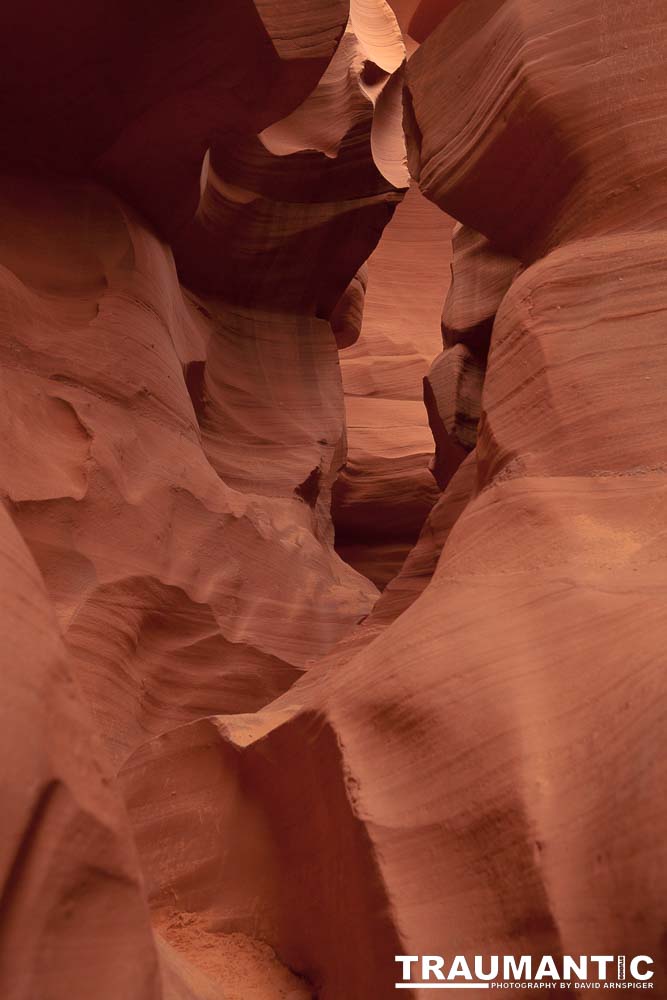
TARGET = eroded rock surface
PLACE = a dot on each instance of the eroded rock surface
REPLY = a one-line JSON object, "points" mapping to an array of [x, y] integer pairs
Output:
{"points": [[232, 769], [385, 490]]}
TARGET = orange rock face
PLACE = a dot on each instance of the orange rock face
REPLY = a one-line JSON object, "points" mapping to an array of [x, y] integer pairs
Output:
{"points": [[247, 381], [385, 490]]}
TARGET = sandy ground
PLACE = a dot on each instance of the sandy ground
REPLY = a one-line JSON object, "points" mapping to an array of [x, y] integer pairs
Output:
{"points": [[244, 968]]}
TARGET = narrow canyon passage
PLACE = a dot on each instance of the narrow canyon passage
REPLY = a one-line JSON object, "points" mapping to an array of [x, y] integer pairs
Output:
{"points": [[385, 490], [333, 574]]}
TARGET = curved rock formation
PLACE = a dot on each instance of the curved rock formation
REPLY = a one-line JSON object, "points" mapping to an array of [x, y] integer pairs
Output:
{"points": [[481, 276], [146, 93], [232, 770], [385, 490], [169, 453], [71, 882], [480, 748], [127, 521]]}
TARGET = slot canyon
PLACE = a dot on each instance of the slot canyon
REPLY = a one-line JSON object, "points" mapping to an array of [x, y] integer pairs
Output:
{"points": [[333, 542]]}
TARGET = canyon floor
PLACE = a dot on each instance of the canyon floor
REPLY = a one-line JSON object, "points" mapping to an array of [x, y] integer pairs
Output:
{"points": [[333, 535]]}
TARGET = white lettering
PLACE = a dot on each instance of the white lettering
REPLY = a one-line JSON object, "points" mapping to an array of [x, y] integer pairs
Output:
{"points": [[634, 967], [479, 967], [407, 961], [432, 964], [602, 963], [547, 967], [518, 970], [522, 968], [570, 965], [459, 968]]}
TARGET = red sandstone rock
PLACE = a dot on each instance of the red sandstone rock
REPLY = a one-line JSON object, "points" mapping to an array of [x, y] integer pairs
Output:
{"points": [[481, 276], [311, 780], [126, 521], [386, 490], [72, 889], [166, 453], [479, 748], [348, 314], [136, 95]]}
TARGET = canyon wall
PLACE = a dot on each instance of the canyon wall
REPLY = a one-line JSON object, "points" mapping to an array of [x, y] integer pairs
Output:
{"points": [[233, 768]]}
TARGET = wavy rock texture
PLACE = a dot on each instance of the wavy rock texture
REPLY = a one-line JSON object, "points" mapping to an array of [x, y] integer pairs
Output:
{"points": [[481, 275], [385, 490], [71, 882], [487, 736], [169, 453], [233, 771], [132, 74]]}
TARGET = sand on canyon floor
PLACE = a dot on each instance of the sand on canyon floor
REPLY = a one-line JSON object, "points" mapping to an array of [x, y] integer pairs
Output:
{"points": [[244, 967]]}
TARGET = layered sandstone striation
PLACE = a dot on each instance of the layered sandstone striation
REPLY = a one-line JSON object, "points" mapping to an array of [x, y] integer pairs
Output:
{"points": [[232, 769], [385, 490], [481, 276], [173, 422]]}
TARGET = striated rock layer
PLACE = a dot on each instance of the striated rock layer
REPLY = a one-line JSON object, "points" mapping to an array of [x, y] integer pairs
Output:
{"points": [[385, 489], [232, 770], [169, 453]]}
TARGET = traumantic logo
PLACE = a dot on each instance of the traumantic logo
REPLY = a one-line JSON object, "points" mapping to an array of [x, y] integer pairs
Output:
{"points": [[509, 972]]}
